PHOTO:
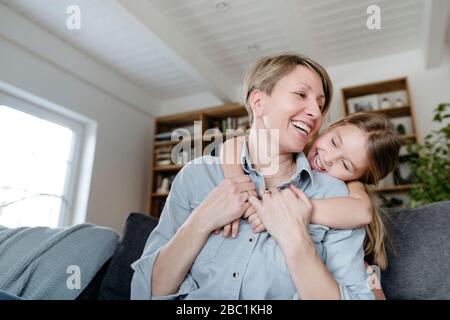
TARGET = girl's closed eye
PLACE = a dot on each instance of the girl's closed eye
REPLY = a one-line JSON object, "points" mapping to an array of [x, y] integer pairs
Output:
{"points": [[334, 142], [347, 167], [301, 94]]}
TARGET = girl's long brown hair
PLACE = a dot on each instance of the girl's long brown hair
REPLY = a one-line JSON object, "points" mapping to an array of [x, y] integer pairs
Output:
{"points": [[383, 148]]}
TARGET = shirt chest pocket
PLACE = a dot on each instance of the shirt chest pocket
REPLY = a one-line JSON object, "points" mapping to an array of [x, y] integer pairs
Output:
{"points": [[210, 249], [211, 246]]}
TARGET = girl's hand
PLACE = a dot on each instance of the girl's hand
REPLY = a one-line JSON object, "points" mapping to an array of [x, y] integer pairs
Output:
{"points": [[256, 223], [234, 226], [282, 212]]}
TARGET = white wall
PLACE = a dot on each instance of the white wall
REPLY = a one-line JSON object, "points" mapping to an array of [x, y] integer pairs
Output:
{"points": [[188, 103], [120, 171], [427, 87]]}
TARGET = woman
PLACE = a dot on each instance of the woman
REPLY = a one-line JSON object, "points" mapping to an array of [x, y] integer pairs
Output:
{"points": [[183, 258]]}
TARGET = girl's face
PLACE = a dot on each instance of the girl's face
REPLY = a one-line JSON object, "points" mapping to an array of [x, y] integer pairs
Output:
{"points": [[340, 152], [293, 108]]}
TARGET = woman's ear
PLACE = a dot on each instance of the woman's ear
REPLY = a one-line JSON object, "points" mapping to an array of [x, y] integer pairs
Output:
{"points": [[256, 103]]}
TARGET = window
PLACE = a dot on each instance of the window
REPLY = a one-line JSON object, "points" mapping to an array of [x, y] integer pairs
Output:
{"points": [[40, 153]]}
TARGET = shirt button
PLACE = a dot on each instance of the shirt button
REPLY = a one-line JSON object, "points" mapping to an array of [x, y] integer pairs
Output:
{"points": [[236, 275], [251, 239]]}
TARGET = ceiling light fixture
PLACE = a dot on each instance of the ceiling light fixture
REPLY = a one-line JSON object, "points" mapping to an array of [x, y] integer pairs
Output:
{"points": [[222, 5], [253, 49]]}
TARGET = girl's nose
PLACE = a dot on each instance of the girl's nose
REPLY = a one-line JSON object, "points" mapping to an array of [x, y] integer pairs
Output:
{"points": [[328, 159]]}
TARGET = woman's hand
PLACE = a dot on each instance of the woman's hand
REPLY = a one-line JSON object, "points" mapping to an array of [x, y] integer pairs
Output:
{"points": [[225, 203], [282, 211]]}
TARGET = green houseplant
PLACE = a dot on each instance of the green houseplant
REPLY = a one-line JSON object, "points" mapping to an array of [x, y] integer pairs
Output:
{"points": [[430, 164]]}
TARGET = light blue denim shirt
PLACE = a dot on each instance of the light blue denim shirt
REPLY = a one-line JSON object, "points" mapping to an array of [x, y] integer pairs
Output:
{"points": [[250, 266]]}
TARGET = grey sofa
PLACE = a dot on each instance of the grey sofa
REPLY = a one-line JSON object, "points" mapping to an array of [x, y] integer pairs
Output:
{"points": [[418, 269], [420, 264]]}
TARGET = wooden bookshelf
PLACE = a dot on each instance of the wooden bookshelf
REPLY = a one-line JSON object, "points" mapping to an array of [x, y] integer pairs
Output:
{"points": [[159, 195], [396, 114], [174, 167], [227, 114], [394, 188], [408, 137]]}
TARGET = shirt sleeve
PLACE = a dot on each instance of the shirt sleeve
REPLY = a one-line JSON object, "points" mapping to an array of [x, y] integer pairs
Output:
{"points": [[174, 214], [344, 257]]}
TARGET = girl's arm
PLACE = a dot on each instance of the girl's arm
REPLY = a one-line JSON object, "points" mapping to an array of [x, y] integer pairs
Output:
{"points": [[230, 157], [338, 213], [344, 212]]}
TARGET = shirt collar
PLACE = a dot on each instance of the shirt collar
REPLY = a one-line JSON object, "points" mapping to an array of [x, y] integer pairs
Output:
{"points": [[302, 172]]}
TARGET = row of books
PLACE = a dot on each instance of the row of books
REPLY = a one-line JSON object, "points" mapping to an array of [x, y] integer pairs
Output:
{"points": [[234, 123], [165, 136], [165, 156]]}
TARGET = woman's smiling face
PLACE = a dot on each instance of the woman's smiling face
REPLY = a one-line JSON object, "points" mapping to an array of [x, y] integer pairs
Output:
{"points": [[294, 108], [341, 152]]}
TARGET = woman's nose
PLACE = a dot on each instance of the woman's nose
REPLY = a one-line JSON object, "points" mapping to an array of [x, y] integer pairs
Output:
{"points": [[313, 110]]}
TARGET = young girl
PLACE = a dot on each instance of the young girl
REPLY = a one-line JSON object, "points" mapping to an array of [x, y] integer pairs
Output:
{"points": [[358, 149]]}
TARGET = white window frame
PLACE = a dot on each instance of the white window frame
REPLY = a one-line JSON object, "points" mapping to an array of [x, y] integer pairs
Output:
{"points": [[78, 177]]}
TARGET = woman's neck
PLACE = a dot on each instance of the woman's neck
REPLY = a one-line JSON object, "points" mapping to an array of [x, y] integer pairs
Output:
{"points": [[276, 167]]}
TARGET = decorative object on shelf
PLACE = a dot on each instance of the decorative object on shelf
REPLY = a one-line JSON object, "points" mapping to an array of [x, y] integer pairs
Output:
{"points": [[431, 166], [164, 188], [363, 103], [398, 97], [387, 181], [385, 103], [403, 125], [399, 103], [390, 202], [403, 173], [401, 130], [403, 151]]}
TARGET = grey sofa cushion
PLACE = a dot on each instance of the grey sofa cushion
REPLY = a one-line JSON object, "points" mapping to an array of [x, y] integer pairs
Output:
{"points": [[116, 283], [421, 266]]}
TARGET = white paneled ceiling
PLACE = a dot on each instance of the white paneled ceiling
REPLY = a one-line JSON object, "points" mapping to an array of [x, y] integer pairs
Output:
{"points": [[225, 37], [340, 33], [111, 37], [331, 31]]}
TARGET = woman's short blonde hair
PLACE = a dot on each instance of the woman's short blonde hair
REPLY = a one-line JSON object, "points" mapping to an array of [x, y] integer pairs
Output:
{"points": [[266, 73]]}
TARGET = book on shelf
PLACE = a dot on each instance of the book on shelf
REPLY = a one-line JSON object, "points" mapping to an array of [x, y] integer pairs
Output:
{"points": [[163, 152], [164, 182], [180, 131], [163, 136], [164, 162], [231, 123], [163, 156]]}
